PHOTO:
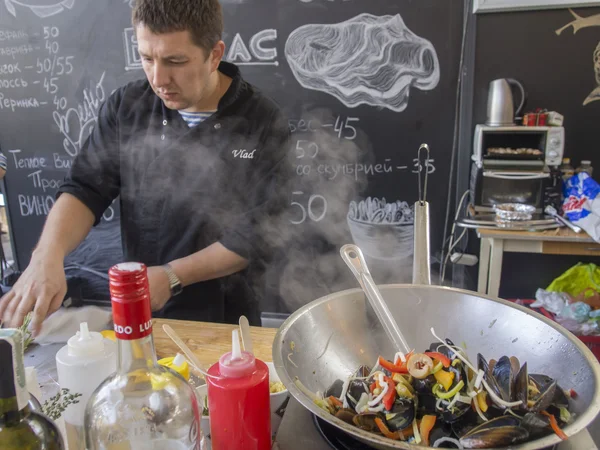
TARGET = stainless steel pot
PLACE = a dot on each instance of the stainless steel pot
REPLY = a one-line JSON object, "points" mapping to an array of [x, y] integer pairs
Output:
{"points": [[329, 338]]}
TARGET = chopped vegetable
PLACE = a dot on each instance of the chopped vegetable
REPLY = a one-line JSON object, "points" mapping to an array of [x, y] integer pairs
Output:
{"points": [[373, 386], [482, 401], [572, 393], [390, 396], [388, 365], [335, 402], [403, 391], [427, 424], [565, 415], [397, 435], [554, 424], [444, 378], [420, 365], [437, 390], [440, 357]]}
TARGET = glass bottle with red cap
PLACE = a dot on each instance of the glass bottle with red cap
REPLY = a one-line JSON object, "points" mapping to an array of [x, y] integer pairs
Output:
{"points": [[238, 401], [143, 405]]}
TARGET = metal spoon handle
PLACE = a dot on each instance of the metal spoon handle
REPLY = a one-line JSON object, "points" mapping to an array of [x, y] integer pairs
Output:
{"points": [[353, 257]]}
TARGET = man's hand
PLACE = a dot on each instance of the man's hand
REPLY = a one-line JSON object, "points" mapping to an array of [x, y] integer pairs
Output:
{"points": [[160, 288], [41, 288]]}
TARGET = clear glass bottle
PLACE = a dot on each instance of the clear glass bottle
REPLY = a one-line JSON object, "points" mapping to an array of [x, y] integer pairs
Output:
{"points": [[21, 428], [585, 166], [143, 406], [566, 169]]}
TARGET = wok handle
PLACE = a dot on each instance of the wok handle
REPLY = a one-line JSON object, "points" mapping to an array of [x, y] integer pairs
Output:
{"points": [[421, 259]]}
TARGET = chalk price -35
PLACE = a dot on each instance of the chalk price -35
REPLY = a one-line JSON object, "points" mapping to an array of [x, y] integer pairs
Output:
{"points": [[429, 163], [315, 209]]}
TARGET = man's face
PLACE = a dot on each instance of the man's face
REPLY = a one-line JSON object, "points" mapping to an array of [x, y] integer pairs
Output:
{"points": [[177, 69]]}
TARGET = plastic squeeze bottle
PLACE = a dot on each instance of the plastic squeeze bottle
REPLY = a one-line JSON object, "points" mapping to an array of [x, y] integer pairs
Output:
{"points": [[238, 401], [85, 362]]}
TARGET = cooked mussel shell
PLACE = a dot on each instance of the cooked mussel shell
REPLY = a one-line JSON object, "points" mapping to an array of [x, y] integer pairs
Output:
{"points": [[487, 374], [424, 386], [366, 421], [402, 414], [500, 432], [544, 400], [440, 430], [355, 389], [335, 389], [522, 386], [362, 372], [346, 414], [536, 424], [505, 375], [456, 412], [465, 423]]}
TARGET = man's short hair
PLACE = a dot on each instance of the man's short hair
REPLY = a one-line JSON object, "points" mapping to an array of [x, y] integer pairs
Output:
{"points": [[202, 18]]}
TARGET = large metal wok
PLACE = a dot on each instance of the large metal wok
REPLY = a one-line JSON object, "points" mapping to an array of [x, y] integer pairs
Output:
{"points": [[331, 337]]}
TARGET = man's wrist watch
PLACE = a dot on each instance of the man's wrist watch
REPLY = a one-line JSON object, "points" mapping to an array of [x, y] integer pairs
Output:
{"points": [[174, 281]]}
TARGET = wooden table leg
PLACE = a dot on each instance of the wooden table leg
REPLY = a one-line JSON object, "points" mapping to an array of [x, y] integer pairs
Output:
{"points": [[484, 265], [497, 250]]}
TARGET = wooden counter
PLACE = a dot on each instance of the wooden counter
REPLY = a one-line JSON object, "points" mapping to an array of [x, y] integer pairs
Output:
{"points": [[209, 341]]}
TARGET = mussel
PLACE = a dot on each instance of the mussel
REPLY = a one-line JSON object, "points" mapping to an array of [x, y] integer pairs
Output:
{"points": [[425, 385], [402, 414], [366, 421], [346, 414], [500, 432]]}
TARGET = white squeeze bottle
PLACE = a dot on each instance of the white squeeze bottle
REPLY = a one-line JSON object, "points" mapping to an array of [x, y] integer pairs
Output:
{"points": [[85, 362]]}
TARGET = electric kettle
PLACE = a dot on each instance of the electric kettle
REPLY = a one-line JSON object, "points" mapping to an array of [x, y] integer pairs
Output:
{"points": [[500, 108]]}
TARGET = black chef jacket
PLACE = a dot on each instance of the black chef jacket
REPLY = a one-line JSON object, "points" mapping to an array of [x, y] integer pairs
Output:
{"points": [[182, 189]]}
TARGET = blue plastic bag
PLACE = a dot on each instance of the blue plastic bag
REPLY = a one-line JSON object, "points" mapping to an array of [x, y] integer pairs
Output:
{"points": [[582, 203]]}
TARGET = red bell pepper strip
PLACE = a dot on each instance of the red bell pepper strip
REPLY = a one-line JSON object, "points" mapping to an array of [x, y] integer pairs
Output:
{"points": [[390, 396], [572, 393], [440, 357], [391, 367], [554, 424]]}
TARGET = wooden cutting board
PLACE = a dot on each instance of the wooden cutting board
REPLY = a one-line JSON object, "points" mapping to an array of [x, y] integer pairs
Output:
{"points": [[208, 341]]}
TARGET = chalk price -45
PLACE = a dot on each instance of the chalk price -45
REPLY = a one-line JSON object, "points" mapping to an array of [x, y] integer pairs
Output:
{"points": [[342, 126], [315, 209]]}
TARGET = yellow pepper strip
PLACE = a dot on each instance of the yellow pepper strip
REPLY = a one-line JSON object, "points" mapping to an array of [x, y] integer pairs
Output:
{"points": [[444, 378], [482, 401]]}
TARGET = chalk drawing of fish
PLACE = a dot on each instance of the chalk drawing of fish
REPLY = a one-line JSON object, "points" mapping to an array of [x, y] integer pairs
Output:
{"points": [[41, 8], [580, 22], [595, 94]]}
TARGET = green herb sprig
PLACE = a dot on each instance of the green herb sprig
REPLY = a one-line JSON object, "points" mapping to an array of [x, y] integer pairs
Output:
{"points": [[56, 405], [27, 337]]}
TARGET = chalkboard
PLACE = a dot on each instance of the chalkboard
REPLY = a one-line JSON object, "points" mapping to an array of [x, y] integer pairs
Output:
{"points": [[363, 84]]}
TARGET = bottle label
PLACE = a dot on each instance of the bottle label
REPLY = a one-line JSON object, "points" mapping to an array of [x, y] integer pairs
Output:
{"points": [[132, 320], [12, 375]]}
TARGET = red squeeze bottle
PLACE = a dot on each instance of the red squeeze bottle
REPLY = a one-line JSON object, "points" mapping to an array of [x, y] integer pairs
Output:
{"points": [[239, 402]]}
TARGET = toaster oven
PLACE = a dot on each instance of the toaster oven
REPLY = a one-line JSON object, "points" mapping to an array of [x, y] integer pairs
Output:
{"points": [[516, 165]]}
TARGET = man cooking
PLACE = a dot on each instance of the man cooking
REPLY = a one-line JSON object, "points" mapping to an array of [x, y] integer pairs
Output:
{"points": [[195, 155]]}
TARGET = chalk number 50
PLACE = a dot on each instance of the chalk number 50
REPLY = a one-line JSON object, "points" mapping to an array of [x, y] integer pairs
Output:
{"points": [[313, 204]]}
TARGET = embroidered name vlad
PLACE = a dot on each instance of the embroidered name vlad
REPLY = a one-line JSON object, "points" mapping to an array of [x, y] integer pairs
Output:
{"points": [[242, 153]]}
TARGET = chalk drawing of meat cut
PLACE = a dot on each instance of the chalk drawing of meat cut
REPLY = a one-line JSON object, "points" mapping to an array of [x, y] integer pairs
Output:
{"points": [[372, 60], [41, 8]]}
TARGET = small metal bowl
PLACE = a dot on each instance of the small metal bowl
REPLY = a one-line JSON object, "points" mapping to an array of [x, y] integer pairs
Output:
{"points": [[513, 211]]}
